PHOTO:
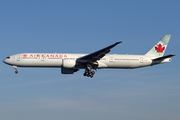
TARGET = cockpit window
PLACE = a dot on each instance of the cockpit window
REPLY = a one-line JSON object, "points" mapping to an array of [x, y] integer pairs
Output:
{"points": [[8, 57]]}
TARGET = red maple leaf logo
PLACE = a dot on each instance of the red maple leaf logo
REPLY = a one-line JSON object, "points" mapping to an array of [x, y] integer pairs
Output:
{"points": [[159, 48]]}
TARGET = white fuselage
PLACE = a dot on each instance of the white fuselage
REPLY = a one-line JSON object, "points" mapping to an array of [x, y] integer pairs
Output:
{"points": [[55, 60]]}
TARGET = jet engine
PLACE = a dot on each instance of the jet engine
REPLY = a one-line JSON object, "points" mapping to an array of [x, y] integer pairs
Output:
{"points": [[68, 63], [68, 66], [68, 70]]}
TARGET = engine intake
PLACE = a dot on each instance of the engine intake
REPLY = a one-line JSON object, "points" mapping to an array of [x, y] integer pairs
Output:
{"points": [[68, 63]]}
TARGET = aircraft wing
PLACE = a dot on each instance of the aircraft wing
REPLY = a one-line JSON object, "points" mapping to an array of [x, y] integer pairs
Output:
{"points": [[93, 57]]}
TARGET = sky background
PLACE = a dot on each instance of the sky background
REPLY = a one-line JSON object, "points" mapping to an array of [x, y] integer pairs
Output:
{"points": [[85, 26]]}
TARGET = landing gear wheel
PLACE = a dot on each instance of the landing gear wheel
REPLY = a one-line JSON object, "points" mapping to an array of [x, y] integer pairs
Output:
{"points": [[88, 72], [92, 72], [88, 75], [85, 74], [91, 75]]}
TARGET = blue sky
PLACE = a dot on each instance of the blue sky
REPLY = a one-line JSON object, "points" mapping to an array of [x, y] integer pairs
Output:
{"points": [[83, 27]]}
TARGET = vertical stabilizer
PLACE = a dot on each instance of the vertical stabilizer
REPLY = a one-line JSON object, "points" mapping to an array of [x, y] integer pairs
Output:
{"points": [[159, 48]]}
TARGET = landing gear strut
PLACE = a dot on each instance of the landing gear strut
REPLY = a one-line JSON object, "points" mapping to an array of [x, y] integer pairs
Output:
{"points": [[15, 67], [89, 67]]}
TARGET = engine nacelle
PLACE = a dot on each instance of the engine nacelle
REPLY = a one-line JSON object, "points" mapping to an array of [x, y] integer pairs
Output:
{"points": [[68, 63], [67, 70]]}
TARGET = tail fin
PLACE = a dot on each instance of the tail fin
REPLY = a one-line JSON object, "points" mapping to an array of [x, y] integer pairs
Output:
{"points": [[159, 48]]}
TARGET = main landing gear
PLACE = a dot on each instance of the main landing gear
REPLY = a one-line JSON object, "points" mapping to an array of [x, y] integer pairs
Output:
{"points": [[89, 73], [15, 67], [88, 69]]}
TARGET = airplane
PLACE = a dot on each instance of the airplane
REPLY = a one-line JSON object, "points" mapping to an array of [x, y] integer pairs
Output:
{"points": [[70, 63]]}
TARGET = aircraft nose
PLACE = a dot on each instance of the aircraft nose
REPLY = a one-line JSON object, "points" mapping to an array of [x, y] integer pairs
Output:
{"points": [[8, 61], [5, 60]]}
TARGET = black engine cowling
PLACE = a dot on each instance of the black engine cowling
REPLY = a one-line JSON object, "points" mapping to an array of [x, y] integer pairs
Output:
{"points": [[68, 70], [68, 66]]}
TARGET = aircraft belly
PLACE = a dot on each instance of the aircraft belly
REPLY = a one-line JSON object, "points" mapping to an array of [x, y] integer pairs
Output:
{"points": [[130, 61], [128, 64], [147, 63], [121, 64]]}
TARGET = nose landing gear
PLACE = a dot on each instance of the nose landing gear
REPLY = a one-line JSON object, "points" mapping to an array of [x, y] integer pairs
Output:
{"points": [[15, 67]]}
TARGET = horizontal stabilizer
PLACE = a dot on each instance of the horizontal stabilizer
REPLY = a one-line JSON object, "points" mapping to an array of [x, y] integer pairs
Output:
{"points": [[164, 57]]}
